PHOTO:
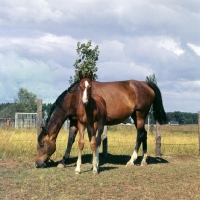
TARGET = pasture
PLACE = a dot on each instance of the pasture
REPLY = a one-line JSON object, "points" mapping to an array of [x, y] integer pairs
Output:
{"points": [[175, 175]]}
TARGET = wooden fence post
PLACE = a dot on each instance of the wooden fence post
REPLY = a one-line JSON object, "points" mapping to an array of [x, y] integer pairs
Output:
{"points": [[104, 139], [158, 139], [199, 129], [39, 115]]}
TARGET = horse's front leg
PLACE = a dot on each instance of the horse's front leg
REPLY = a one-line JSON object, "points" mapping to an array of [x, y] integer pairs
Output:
{"points": [[93, 145], [71, 138], [80, 146]]}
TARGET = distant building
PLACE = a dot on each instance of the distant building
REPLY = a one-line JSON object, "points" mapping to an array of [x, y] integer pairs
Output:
{"points": [[174, 123]]}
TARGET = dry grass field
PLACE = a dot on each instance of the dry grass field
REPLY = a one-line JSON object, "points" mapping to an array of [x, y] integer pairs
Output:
{"points": [[176, 140], [175, 175]]}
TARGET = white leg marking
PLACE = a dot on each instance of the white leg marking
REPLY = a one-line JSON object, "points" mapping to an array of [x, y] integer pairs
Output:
{"points": [[133, 158], [78, 164], [144, 159], [97, 156], [94, 163]]}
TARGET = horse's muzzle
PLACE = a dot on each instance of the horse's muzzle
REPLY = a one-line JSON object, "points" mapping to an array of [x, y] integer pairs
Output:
{"points": [[40, 164]]}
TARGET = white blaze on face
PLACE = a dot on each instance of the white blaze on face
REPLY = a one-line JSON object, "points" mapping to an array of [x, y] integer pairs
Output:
{"points": [[84, 98]]}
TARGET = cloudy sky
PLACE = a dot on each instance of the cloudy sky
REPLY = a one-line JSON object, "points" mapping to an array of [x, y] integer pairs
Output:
{"points": [[38, 40]]}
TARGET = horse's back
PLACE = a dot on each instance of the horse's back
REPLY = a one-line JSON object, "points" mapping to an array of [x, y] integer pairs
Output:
{"points": [[123, 97], [121, 88]]}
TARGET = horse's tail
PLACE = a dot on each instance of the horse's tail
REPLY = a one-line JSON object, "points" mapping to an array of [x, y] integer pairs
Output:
{"points": [[158, 109]]}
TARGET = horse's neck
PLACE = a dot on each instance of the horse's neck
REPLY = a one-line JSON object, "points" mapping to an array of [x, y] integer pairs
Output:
{"points": [[55, 123]]}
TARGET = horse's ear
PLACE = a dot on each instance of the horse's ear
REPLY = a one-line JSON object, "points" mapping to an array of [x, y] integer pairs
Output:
{"points": [[42, 133], [42, 128], [80, 75], [90, 75]]}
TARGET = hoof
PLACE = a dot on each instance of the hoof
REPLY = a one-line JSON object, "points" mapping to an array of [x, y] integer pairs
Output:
{"points": [[77, 172], [61, 165], [143, 164], [129, 164], [95, 172]]}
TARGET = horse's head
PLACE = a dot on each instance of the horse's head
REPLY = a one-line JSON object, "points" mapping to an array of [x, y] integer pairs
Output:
{"points": [[85, 87], [45, 148]]}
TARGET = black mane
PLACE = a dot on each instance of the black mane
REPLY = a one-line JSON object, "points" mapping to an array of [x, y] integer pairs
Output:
{"points": [[59, 100]]}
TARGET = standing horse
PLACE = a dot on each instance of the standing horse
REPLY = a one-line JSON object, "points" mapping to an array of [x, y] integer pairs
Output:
{"points": [[123, 99], [91, 113]]}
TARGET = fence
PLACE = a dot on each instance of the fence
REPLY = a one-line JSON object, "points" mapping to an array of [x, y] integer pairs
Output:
{"points": [[25, 123], [7, 122], [176, 140], [168, 134]]}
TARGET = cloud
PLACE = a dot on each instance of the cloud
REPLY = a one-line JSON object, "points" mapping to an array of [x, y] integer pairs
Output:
{"points": [[195, 48], [47, 80], [136, 39], [170, 45], [33, 10], [112, 50], [114, 71]]}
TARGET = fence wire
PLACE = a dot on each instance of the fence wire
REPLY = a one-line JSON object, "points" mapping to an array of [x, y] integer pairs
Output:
{"points": [[176, 140]]}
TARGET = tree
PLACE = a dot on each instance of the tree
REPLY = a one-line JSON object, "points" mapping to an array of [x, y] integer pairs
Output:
{"points": [[7, 110], [86, 61], [26, 101], [151, 78]]}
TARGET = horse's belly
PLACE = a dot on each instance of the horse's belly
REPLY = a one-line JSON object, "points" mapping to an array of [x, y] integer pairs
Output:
{"points": [[116, 115]]}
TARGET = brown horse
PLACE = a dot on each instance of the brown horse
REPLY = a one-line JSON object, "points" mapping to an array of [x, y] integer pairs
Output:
{"points": [[91, 113], [123, 99]]}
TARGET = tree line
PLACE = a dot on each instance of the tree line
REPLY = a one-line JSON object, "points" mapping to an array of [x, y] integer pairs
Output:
{"points": [[26, 102], [179, 117]]}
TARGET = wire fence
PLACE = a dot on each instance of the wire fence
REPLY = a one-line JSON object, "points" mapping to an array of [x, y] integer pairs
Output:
{"points": [[18, 123], [24, 123], [176, 140]]}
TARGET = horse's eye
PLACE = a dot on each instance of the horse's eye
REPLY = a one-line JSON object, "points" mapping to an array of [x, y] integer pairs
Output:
{"points": [[41, 145]]}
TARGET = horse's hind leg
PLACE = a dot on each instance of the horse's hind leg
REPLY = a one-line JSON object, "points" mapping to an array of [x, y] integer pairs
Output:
{"points": [[93, 145], [98, 139], [141, 138], [144, 147]]}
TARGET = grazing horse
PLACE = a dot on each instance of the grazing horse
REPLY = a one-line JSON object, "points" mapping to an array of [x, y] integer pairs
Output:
{"points": [[123, 99], [91, 113]]}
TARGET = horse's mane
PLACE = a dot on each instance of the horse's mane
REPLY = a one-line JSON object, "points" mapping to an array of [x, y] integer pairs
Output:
{"points": [[59, 100]]}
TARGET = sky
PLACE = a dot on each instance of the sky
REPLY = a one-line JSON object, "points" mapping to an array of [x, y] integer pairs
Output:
{"points": [[38, 40]]}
